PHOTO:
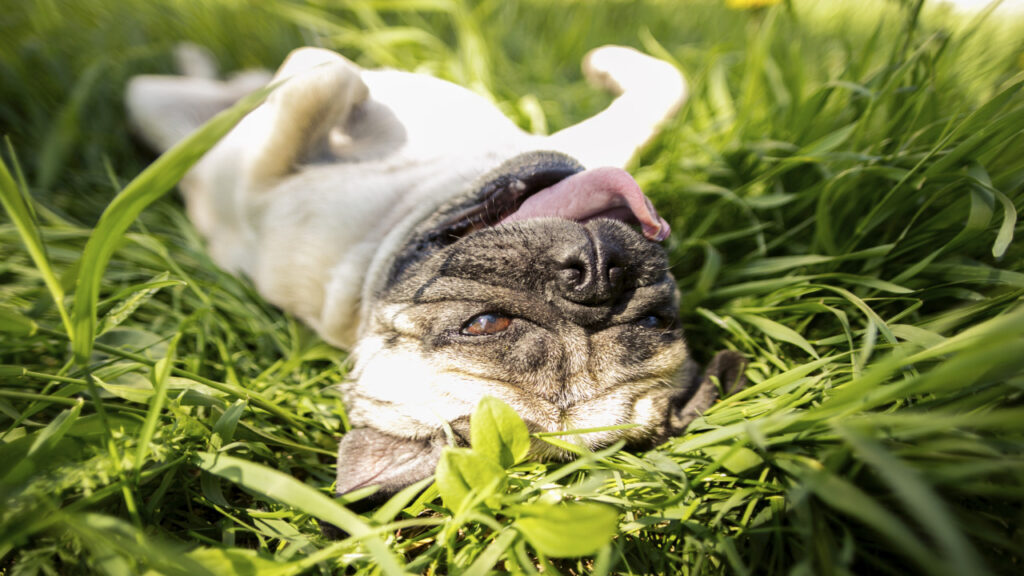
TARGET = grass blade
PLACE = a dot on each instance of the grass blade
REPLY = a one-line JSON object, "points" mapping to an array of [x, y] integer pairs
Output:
{"points": [[17, 206], [286, 490], [147, 187]]}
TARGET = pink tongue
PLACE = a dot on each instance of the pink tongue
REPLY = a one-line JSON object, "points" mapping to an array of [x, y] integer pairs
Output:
{"points": [[597, 193]]}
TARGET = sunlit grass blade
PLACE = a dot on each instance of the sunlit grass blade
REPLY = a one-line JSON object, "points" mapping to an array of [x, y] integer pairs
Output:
{"points": [[147, 187], [16, 204]]}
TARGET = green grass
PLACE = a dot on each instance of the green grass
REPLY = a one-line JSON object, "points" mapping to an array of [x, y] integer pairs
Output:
{"points": [[844, 187]]}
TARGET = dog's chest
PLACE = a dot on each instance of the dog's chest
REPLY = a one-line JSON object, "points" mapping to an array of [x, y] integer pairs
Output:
{"points": [[413, 118]]}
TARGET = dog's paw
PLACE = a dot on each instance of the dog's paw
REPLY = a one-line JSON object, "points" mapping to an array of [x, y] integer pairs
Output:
{"points": [[195, 61], [723, 376], [316, 91], [619, 69]]}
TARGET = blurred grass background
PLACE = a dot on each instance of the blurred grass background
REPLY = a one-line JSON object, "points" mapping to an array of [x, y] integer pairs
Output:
{"points": [[843, 186]]}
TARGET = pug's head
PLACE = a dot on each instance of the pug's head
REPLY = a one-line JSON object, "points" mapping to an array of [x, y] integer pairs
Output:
{"points": [[543, 286]]}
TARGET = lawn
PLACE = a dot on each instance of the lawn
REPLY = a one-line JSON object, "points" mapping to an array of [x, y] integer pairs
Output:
{"points": [[843, 187]]}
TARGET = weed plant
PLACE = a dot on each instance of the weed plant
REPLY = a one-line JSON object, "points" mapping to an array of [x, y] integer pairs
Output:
{"points": [[843, 185]]}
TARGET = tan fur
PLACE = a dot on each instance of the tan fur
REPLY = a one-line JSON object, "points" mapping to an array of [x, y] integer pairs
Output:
{"points": [[317, 193]]}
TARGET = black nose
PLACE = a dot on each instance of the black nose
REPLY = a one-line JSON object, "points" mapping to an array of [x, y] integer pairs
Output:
{"points": [[592, 272]]}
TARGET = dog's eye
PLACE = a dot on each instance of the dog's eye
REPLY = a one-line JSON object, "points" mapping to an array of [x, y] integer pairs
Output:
{"points": [[653, 321], [486, 324]]}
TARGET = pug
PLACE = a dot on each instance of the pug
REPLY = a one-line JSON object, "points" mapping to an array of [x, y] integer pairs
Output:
{"points": [[456, 256]]}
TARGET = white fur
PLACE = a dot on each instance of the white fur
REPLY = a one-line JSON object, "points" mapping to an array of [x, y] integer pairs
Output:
{"points": [[311, 192]]}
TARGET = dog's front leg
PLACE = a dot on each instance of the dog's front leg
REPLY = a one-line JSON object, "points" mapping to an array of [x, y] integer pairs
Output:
{"points": [[318, 90], [724, 372], [649, 92]]}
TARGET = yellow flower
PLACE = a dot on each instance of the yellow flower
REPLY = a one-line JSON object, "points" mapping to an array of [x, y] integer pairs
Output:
{"points": [[750, 4]]}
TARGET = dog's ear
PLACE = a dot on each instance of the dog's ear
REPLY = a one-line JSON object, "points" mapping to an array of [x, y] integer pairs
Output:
{"points": [[725, 371], [368, 457]]}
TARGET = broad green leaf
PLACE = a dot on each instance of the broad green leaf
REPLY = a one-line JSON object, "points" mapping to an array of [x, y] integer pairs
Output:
{"points": [[89, 426], [736, 459], [777, 265], [224, 429], [870, 282], [235, 561], [917, 335], [770, 201], [136, 340], [977, 274], [566, 530], [462, 473], [498, 433], [579, 450], [757, 287], [130, 386], [709, 270]]}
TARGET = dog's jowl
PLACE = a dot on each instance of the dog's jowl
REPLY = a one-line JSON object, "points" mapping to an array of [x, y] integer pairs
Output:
{"points": [[456, 256]]}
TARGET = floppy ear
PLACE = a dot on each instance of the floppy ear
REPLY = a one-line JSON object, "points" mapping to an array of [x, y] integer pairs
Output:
{"points": [[368, 457], [725, 370]]}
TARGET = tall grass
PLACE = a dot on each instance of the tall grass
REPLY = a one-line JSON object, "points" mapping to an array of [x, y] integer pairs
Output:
{"points": [[843, 186]]}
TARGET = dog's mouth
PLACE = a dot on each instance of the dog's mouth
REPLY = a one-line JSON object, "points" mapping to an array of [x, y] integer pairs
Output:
{"points": [[553, 185]]}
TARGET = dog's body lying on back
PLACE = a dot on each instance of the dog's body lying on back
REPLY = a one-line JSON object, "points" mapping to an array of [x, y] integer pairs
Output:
{"points": [[457, 256]]}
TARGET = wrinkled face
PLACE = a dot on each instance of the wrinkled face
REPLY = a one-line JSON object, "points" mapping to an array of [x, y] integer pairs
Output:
{"points": [[571, 323]]}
